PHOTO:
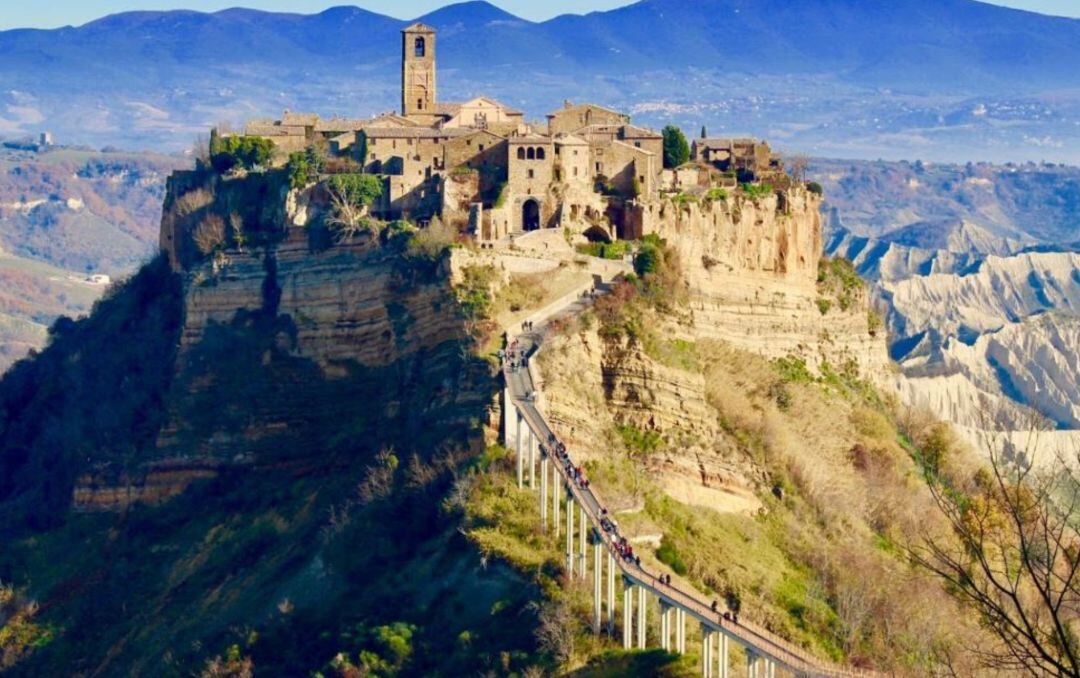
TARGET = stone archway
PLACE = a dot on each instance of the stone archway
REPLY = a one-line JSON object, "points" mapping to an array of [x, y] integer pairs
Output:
{"points": [[596, 233], [530, 215]]}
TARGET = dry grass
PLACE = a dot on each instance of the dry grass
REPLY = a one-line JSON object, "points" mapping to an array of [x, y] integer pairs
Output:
{"points": [[825, 564]]}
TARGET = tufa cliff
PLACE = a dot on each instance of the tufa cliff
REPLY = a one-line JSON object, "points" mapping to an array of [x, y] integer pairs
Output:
{"points": [[293, 343]]}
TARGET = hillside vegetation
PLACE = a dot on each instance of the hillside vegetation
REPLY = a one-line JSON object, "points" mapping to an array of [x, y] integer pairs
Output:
{"points": [[64, 214]]}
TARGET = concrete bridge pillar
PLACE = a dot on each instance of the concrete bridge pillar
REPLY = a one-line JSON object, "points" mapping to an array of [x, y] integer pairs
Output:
{"points": [[723, 656], [582, 541], [556, 497], [569, 536], [543, 492], [598, 577], [641, 610], [680, 630], [752, 664], [532, 459], [665, 625], [517, 449], [628, 615], [706, 651], [611, 592]]}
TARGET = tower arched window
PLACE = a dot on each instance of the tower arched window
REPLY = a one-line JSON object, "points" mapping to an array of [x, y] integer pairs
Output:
{"points": [[540, 154], [421, 47], [531, 154], [521, 153]]}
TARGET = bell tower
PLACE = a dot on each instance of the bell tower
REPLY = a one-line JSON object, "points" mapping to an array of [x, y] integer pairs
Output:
{"points": [[418, 70]]}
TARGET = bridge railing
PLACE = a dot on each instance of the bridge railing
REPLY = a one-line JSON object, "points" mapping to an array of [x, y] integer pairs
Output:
{"points": [[760, 640]]}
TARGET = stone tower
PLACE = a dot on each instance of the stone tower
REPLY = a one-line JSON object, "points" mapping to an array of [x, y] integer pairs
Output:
{"points": [[418, 70]]}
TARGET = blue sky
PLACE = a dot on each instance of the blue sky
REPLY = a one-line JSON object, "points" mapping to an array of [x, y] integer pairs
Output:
{"points": [[52, 13]]}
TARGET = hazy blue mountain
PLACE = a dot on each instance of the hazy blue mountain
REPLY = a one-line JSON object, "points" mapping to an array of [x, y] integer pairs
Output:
{"points": [[858, 77]]}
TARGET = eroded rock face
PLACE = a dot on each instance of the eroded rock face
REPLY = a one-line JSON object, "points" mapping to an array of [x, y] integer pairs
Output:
{"points": [[752, 268], [297, 349], [593, 384]]}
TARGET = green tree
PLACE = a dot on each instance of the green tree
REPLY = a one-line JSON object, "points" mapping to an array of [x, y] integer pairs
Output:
{"points": [[360, 190], [248, 152], [299, 169], [676, 147]]}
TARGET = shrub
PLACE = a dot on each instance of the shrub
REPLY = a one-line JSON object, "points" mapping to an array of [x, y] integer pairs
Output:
{"points": [[793, 369], [247, 152], [606, 250], [838, 279], [210, 234], [639, 442], [669, 556], [756, 191], [815, 188], [716, 194], [647, 260]]}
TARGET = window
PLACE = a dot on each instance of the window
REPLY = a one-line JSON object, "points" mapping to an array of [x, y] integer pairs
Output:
{"points": [[419, 104], [521, 153], [531, 153], [575, 171], [481, 148], [532, 174], [540, 154], [575, 151], [637, 144], [421, 48]]}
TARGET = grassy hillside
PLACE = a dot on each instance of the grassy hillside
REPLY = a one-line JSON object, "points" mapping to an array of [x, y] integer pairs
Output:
{"points": [[65, 213]]}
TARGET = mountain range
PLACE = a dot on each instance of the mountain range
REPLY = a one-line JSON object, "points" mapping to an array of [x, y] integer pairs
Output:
{"points": [[836, 77]]}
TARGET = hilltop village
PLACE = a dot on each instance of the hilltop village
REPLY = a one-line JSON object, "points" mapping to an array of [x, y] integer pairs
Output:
{"points": [[481, 166]]}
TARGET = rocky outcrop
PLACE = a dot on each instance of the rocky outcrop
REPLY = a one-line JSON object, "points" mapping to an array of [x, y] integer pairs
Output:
{"points": [[289, 336], [1001, 290], [752, 267]]}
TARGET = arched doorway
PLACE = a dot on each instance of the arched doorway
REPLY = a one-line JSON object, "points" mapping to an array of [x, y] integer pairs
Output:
{"points": [[530, 215], [597, 234]]}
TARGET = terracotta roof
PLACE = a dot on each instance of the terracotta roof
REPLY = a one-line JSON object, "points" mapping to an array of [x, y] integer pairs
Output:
{"points": [[530, 139], [306, 119], [270, 129], [717, 142], [418, 28], [621, 131], [570, 107], [447, 108], [570, 140], [341, 124], [414, 132]]}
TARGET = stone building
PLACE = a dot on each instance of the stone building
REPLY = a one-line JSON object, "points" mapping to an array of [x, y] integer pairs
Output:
{"points": [[749, 158], [480, 165]]}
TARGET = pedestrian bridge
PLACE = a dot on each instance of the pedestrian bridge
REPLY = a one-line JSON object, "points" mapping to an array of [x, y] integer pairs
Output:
{"points": [[547, 467]]}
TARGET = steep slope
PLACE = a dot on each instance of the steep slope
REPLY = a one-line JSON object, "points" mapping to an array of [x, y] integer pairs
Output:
{"points": [[65, 214], [1032, 363], [735, 474], [308, 407], [999, 290], [977, 277]]}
